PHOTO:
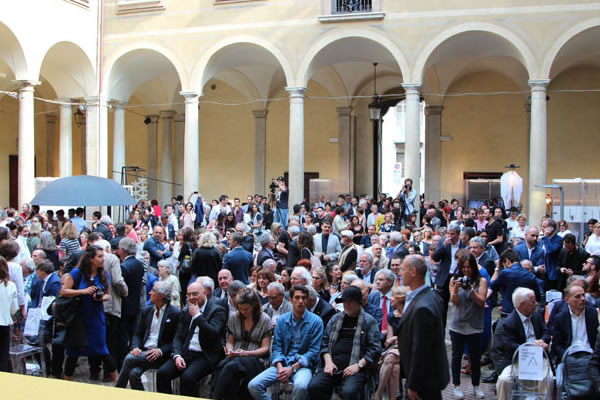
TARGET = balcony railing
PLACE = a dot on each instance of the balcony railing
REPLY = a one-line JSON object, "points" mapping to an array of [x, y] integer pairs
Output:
{"points": [[352, 6], [346, 10]]}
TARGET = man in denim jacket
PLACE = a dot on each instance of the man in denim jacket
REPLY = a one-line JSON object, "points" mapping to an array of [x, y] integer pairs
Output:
{"points": [[351, 346], [295, 351]]}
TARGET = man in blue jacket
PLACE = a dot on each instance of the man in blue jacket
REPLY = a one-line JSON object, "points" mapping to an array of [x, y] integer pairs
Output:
{"points": [[295, 351], [238, 260], [530, 249], [552, 243]]}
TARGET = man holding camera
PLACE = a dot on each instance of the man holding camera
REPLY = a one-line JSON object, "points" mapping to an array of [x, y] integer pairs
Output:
{"points": [[281, 213], [407, 198]]}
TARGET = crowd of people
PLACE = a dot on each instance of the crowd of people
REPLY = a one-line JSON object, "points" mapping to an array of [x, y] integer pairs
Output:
{"points": [[355, 294]]}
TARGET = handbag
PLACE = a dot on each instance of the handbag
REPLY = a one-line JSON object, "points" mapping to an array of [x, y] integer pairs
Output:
{"points": [[66, 308]]}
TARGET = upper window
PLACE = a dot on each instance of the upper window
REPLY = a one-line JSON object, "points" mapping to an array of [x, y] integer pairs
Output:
{"points": [[340, 10], [134, 6]]}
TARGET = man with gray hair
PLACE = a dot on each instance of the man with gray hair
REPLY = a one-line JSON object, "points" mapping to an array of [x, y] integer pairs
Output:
{"points": [[365, 269], [300, 276], [444, 254], [293, 254], [382, 297], [102, 227], [278, 304], [153, 339], [397, 246], [208, 284], [522, 325], [477, 247], [267, 244]]}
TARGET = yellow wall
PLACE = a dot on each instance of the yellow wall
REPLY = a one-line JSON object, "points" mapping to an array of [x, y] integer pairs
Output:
{"points": [[487, 132], [574, 125]]}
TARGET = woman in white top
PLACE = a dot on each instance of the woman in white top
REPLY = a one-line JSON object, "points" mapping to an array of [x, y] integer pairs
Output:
{"points": [[8, 308], [563, 228], [164, 271], [592, 244], [518, 232]]}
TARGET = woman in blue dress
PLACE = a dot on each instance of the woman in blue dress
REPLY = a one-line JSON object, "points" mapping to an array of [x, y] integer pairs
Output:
{"points": [[91, 283]]}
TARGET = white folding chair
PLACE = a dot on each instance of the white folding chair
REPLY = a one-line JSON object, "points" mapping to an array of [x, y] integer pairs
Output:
{"points": [[532, 389]]}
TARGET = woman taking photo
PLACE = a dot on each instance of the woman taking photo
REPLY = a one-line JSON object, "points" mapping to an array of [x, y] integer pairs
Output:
{"points": [[468, 293], [90, 282], [8, 308], [389, 370], [263, 278], [320, 283], [247, 348]]}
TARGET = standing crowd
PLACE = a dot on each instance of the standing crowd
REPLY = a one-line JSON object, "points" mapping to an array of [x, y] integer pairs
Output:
{"points": [[242, 298]]}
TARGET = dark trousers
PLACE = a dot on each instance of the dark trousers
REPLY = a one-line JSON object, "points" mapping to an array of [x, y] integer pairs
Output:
{"points": [[4, 347], [473, 343], [321, 386], [116, 339], [444, 293], [197, 367], [109, 364], [234, 376], [54, 363], [129, 325], [134, 367]]}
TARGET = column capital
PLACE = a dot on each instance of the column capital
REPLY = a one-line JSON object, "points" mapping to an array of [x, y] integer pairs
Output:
{"points": [[539, 84], [92, 100], [118, 103], [344, 111], [153, 119], [191, 96], [26, 84], [296, 91], [433, 110], [51, 118], [412, 88], [260, 113], [166, 114]]}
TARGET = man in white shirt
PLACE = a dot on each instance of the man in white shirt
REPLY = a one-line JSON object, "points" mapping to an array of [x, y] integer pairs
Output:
{"points": [[153, 338], [277, 305], [222, 207]]}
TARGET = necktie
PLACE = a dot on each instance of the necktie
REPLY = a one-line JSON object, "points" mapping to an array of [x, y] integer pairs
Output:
{"points": [[324, 241], [384, 323], [157, 314]]}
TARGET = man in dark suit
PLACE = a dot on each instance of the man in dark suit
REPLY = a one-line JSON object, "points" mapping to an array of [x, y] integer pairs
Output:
{"points": [[46, 284], [530, 249], [444, 254], [197, 345], [421, 335], [586, 327], [477, 248], [382, 297], [155, 247], [153, 339], [570, 259], [317, 306], [103, 228], [266, 253], [169, 228], [522, 325], [238, 260], [365, 269], [133, 273], [225, 278], [120, 231]]}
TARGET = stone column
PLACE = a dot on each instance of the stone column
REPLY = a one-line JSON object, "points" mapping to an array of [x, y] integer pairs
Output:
{"points": [[537, 151], [65, 152], [166, 166], [412, 158], [26, 147], [260, 151], [97, 137], [50, 145], [433, 152], [178, 151], [296, 146], [191, 153], [152, 164], [345, 159], [83, 150], [118, 140]]}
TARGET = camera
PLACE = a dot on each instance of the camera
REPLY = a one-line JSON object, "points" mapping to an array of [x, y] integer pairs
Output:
{"points": [[98, 295], [273, 186], [463, 281]]}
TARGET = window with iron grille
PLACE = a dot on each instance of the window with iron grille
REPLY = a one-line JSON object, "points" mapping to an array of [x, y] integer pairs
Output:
{"points": [[351, 6]]}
